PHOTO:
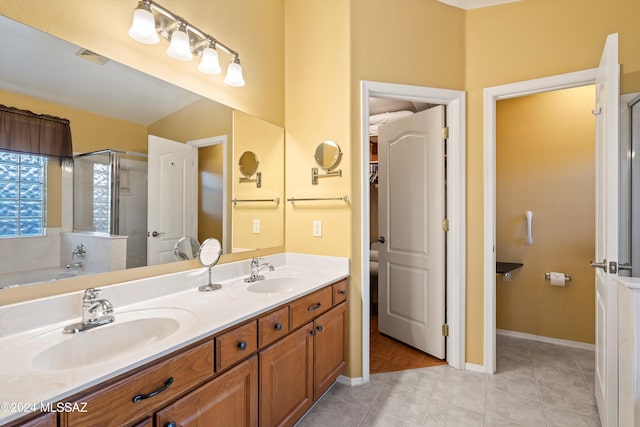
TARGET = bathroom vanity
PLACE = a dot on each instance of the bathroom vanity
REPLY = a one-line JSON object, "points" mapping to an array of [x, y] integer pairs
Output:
{"points": [[283, 343]]}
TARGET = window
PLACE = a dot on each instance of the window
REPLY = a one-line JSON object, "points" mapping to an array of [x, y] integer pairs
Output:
{"points": [[22, 194]]}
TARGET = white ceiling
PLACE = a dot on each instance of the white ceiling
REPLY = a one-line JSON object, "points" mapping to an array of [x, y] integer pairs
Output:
{"points": [[37, 64], [475, 4]]}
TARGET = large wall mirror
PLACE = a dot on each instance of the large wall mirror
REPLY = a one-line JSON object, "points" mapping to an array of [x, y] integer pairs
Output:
{"points": [[113, 109]]}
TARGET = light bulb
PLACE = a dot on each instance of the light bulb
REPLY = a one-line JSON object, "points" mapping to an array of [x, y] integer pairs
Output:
{"points": [[209, 64], [234, 74], [143, 27], [179, 48]]}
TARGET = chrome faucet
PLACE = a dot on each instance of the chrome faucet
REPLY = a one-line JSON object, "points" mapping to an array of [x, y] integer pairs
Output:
{"points": [[90, 307], [255, 270], [74, 265], [80, 251]]}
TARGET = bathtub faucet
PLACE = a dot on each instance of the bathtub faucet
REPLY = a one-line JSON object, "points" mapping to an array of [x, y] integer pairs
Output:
{"points": [[80, 251]]}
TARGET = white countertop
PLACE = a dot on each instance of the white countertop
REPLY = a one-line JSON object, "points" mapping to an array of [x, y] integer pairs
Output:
{"points": [[28, 328]]}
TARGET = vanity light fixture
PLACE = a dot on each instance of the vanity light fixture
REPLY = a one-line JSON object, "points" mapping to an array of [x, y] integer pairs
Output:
{"points": [[150, 20]]}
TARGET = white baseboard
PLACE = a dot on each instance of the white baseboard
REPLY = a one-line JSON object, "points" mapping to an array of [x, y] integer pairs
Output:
{"points": [[350, 381], [474, 367], [558, 341]]}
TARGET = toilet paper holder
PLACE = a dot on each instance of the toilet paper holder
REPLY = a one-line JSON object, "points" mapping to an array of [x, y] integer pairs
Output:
{"points": [[567, 278]]}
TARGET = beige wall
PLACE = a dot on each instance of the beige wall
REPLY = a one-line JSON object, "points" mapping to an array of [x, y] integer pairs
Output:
{"points": [[521, 41], [545, 163], [266, 141]]}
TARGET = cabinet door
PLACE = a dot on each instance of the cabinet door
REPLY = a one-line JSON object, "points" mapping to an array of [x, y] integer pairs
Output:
{"points": [[230, 400], [286, 379], [330, 348]]}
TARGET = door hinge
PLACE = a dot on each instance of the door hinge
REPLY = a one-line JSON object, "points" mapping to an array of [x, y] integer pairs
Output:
{"points": [[445, 330], [445, 225], [445, 132]]}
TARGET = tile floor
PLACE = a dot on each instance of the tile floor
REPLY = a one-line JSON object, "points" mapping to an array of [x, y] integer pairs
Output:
{"points": [[537, 384]]}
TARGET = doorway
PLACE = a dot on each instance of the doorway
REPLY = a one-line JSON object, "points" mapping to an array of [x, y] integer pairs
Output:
{"points": [[492, 96], [454, 102]]}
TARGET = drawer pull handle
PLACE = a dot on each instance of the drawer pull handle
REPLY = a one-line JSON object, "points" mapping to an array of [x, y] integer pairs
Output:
{"points": [[278, 326], [319, 328], [342, 292], [139, 397], [242, 345], [314, 307]]}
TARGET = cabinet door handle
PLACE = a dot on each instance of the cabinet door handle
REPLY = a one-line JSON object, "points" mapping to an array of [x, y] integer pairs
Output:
{"points": [[313, 332], [342, 292], [242, 345], [171, 424], [278, 326], [319, 328], [139, 397], [314, 307]]}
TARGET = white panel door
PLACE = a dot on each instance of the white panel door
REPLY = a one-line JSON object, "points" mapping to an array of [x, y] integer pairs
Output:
{"points": [[607, 116], [411, 204], [172, 197]]}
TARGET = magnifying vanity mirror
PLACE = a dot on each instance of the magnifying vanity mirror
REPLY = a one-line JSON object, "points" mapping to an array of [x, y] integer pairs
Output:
{"points": [[327, 156], [248, 165], [51, 76], [187, 248], [209, 255]]}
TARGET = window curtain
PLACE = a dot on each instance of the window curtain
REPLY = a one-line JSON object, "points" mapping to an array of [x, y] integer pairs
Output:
{"points": [[26, 132]]}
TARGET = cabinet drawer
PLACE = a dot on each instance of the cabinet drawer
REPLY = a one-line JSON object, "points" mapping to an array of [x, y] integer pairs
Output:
{"points": [[339, 292], [273, 326], [115, 405], [311, 306], [236, 345]]}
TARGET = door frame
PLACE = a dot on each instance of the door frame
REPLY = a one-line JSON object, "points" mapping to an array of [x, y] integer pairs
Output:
{"points": [[454, 102], [207, 142], [491, 96]]}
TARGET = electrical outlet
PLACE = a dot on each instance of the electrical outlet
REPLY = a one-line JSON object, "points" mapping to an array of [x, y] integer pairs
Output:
{"points": [[317, 228], [256, 226]]}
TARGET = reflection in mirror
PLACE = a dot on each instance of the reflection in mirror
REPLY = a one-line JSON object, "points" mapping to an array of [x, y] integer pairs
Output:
{"points": [[112, 107], [629, 200], [209, 255], [248, 164], [328, 155], [187, 248]]}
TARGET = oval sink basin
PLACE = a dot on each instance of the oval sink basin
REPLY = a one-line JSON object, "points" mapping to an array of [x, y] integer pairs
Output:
{"points": [[126, 334], [275, 284]]}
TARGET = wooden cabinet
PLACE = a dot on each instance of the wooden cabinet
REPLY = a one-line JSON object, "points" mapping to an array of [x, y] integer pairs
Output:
{"points": [[330, 348], [286, 379], [132, 398], [295, 371], [273, 326], [230, 399], [235, 345], [301, 349]]}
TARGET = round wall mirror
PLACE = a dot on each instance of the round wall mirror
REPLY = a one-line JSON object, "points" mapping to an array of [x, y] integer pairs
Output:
{"points": [[328, 155], [209, 255], [186, 248], [248, 163]]}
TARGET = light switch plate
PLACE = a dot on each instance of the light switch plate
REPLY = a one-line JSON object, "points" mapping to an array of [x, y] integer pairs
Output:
{"points": [[256, 226], [317, 228]]}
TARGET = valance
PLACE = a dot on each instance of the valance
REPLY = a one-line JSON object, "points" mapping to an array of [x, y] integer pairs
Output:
{"points": [[26, 132]]}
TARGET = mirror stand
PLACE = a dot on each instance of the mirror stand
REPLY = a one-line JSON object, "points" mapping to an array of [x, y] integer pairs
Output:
{"points": [[210, 286], [208, 257], [257, 180], [315, 175]]}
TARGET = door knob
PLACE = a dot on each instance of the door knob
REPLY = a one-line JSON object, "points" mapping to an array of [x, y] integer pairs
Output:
{"points": [[381, 239], [602, 265], [157, 233]]}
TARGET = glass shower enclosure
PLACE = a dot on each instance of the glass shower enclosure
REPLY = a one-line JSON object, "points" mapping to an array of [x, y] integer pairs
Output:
{"points": [[110, 196]]}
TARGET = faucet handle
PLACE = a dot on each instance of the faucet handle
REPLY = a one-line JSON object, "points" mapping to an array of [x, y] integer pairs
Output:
{"points": [[91, 294]]}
